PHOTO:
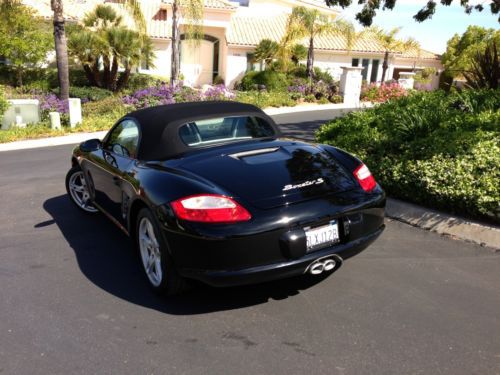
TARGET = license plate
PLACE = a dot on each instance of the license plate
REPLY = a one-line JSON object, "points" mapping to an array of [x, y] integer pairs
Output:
{"points": [[322, 236]]}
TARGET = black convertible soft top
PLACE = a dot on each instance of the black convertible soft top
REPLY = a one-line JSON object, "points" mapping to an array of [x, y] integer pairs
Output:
{"points": [[159, 126]]}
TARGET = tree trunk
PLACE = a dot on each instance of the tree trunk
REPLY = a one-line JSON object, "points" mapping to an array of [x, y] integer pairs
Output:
{"points": [[90, 75], [20, 76], [174, 74], [113, 74], [385, 65], [310, 62], [106, 72], [61, 49], [95, 72], [123, 80]]}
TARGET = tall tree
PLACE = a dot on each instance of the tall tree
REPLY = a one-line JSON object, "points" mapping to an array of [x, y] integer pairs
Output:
{"points": [[24, 38], [308, 23], [370, 8], [461, 50], [391, 44], [191, 12], [61, 48]]}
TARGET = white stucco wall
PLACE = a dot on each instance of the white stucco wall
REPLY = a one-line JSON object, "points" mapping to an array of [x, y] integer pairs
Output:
{"points": [[236, 65], [409, 64], [163, 53]]}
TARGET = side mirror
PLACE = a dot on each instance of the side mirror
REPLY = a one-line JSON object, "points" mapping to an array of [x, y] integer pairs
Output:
{"points": [[91, 145]]}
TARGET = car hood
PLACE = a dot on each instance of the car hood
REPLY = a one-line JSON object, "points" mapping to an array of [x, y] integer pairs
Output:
{"points": [[272, 174]]}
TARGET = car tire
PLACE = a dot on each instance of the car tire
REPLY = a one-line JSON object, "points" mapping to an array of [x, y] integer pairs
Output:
{"points": [[77, 190], [159, 270]]}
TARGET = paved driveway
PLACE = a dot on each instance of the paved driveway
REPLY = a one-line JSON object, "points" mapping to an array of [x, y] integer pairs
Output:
{"points": [[72, 300]]}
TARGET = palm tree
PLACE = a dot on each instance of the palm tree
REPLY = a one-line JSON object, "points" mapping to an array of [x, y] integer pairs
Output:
{"points": [[61, 46], [298, 53], [348, 32], [308, 23], [61, 49], [192, 10], [104, 40], [266, 51], [391, 43]]}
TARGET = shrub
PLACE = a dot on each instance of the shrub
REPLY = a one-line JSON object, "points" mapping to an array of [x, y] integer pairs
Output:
{"points": [[4, 104], [322, 75], [140, 81], [382, 93], [40, 78], [87, 94], [431, 148], [263, 99], [111, 105], [218, 92], [218, 80], [319, 75], [297, 91], [167, 94], [272, 80]]}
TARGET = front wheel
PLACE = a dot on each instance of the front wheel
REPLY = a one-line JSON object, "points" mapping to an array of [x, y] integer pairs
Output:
{"points": [[157, 264], [78, 191]]}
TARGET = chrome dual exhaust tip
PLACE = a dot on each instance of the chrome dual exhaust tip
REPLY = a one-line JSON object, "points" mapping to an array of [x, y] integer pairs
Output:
{"points": [[324, 265]]}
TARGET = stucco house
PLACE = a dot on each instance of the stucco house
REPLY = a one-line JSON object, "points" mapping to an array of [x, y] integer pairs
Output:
{"points": [[232, 30]]}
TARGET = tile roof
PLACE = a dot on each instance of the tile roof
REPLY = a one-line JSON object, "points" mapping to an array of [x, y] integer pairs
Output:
{"points": [[249, 31], [156, 20], [213, 4], [243, 31]]}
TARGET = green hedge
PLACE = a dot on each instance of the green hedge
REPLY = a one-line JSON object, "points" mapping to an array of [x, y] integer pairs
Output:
{"points": [[272, 80], [3, 103], [435, 149], [91, 94]]}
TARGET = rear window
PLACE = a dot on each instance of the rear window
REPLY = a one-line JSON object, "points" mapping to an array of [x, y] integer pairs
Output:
{"points": [[224, 129]]}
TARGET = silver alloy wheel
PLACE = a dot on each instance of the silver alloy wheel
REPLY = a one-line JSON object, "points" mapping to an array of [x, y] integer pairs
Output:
{"points": [[150, 252], [79, 192]]}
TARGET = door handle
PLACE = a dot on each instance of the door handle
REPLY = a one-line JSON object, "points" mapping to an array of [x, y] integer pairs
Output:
{"points": [[116, 180]]}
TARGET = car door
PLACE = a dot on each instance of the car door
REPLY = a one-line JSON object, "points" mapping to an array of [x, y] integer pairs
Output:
{"points": [[110, 169]]}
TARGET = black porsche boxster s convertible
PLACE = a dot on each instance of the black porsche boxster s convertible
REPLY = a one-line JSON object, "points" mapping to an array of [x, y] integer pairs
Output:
{"points": [[211, 191]]}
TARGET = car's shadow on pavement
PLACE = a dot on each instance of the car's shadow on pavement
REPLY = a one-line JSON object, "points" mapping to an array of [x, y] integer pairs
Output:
{"points": [[107, 258]]}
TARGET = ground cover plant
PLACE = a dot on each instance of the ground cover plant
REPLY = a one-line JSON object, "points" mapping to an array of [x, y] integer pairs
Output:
{"points": [[432, 148]]}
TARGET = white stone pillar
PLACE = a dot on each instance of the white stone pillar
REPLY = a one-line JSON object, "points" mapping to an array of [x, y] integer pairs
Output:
{"points": [[75, 112], [350, 85], [55, 120], [406, 80]]}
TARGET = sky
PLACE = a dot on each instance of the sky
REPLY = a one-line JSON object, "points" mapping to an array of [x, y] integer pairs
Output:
{"points": [[432, 33]]}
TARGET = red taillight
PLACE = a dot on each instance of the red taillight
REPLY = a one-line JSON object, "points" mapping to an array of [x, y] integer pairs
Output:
{"points": [[210, 208], [365, 178]]}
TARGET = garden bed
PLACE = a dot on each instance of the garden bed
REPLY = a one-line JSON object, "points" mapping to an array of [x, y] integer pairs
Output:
{"points": [[434, 149]]}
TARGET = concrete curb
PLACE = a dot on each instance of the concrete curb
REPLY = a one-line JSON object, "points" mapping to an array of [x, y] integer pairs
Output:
{"points": [[80, 137], [314, 107], [444, 224], [48, 142]]}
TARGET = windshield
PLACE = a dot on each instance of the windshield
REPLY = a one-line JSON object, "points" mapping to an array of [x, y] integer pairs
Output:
{"points": [[217, 130]]}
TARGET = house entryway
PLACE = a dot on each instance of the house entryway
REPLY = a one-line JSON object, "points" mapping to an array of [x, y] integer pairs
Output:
{"points": [[200, 60]]}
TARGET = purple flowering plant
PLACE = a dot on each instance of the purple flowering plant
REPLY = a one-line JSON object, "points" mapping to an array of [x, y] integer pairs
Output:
{"points": [[169, 94]]}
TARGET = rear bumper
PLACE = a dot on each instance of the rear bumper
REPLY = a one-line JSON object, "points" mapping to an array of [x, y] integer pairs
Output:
{"points": [[273, 244], [279, 270]]}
